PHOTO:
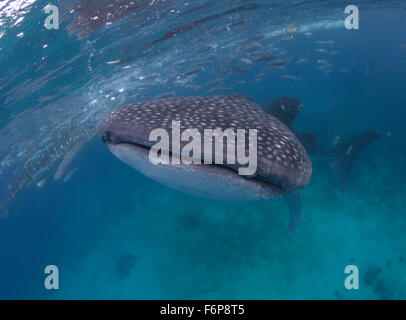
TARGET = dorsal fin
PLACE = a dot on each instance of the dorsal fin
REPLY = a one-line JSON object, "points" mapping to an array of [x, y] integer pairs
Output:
{"points": [[285, 109]]}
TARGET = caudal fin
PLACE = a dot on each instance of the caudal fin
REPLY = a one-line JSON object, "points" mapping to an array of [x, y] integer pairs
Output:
{"points": [[346, 153]]}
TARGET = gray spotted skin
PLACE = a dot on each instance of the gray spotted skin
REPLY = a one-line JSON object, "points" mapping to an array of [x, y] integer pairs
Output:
{"points": [[281, 157], [66, 147]]}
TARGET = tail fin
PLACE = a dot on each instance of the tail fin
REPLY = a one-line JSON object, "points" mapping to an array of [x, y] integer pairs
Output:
{"points": [[346, 153]]}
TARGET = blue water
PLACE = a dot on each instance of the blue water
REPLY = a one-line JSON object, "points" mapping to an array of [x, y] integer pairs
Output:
{"points": [[115, 234]]}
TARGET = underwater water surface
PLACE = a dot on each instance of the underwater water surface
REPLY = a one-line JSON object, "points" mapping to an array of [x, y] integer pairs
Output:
{"points": [[116, 234]]}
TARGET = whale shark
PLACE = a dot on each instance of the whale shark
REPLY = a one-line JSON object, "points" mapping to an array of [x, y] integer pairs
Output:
{"points": [[59, 154], [283, 165], [286, 109], [342, 155]]}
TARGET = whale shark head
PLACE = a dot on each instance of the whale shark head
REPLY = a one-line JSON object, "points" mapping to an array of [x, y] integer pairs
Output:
{"points": [[282, 163]]}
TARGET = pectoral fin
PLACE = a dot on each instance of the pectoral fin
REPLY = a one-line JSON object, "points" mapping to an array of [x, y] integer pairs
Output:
{"points": [[293, 200]]}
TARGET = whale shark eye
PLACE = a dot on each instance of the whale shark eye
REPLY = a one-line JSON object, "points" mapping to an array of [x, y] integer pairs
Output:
{"points": [[106, 137]]}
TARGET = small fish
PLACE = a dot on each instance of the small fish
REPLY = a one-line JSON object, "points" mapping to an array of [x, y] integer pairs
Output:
{"points": [[263, 58], [388, 134], [246, 61], [257, 37], [235, 69], [219, 90], [301, 60], [179, 62], [192, 71], [328, 42], [113, 62], [348, 152], [277, 68], [165, 95], [280, 62], [214, 82], [40, 184], [251, 48], [336, 140], [287, 38], [70, 174], [291, 77], [240, 83], [291, 29], [260, 76], [320, 61]]}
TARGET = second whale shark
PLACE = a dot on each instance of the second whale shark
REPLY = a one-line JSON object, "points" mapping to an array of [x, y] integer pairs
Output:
{"points": [[342, 155]]}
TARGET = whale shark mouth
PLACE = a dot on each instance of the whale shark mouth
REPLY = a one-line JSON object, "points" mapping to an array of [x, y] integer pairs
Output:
{"points": [[111, 141]]}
